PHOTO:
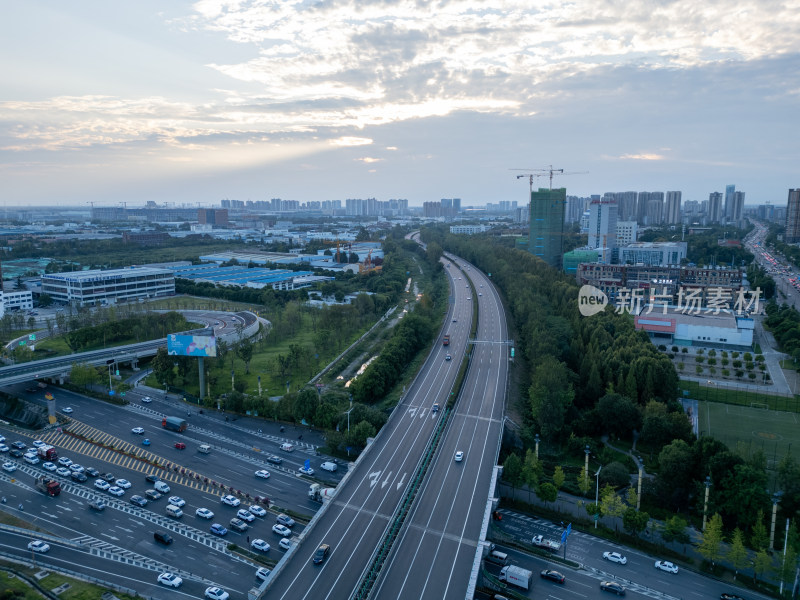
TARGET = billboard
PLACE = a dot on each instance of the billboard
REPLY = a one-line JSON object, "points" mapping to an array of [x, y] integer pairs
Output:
{"points": [[191, 345]]}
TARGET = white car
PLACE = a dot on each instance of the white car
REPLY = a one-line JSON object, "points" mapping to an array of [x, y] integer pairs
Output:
{"points": [[306, 470], [76, 468], [257, 510], [259, 545], [63, 471], [116, 491], [215, 593], [161, 487], [147, 399], [38, 443], [262, 573], [123, 483], [66, 410], [48, 466], [176, 501], [64, 461], [281, 530], [204, 513], [231, 500], [170, 579], [245, 515], [32, 459], [615, 557], [283, 519], [665, 565], [140, 431], [459, 456], [2, 439], [263, 474], [9, 467], [102, 484], [4, 448], [38, 546], [285, 543]]}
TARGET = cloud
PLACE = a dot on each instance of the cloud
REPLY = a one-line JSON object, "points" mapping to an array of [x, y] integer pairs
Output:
{"points": [[644, 156], [369, 160], [351, 141]]}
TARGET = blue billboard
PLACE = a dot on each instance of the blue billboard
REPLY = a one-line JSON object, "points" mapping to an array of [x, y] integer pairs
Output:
{"points": [[191, 345]]}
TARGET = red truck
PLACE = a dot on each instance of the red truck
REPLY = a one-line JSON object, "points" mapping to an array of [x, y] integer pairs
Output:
{"points": [[446, 340], [47, 453], [49, 486]]}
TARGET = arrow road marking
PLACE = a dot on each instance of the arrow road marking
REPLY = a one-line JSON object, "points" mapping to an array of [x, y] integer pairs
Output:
{"points": [[373, 477], [400, 484], [386, 481]]}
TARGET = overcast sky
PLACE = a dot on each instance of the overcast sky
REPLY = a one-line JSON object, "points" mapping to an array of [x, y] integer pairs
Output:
{"points": [[192, 102]]}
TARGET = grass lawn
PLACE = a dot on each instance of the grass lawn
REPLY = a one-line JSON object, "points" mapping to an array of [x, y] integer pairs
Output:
{"points": [[749, 429], [740, 397]]}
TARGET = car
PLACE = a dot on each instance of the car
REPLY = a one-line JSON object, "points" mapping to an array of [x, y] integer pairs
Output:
{"points": [[170, 579], [469, 297], [102, 484], [64, 461], [92, 472], [97, 505], [260, 545], [455, 321], [38, 546], [231, 500], [479, 294], [615, 557], [262, 573], [67, 410], [448, 357], [38, 443], [108, 477], [275, 460], [238, 525], [281, 530], [152, 495], [32, 459], [665, 565], [137, 500], [116, 491], [218, 529], [76, 468], [459, 456], [9, 467], [435, 407], [4, 448], [146, 442], [204, 513], [285, 543], [123, 483], [215, 593], [263, 474], [286, 520], [48, 466], [552, 575], [612, 586], [245, 515], [306, 470], [79, 477], [322, 553], [138, 430], [176, 501], [729, 596], [15, 453], [161, 487], [63, 471], [180, 445], [2, 439], [257, 510], [162, 537], [152, 478], [147, 399]]}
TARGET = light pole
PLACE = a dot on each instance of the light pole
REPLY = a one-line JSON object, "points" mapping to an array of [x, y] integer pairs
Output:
{"points": [[587, 450], [536, 439], [705, 502], [165, 390], [596, 494], [776, 497]]}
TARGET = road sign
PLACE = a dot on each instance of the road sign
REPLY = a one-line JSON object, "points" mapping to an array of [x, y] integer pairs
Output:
{"points": [[564, 536], [32, 337]]}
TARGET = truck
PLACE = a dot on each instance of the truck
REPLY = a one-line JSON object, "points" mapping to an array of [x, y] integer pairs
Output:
{"points": [[49, 486], [317, 493], [540, 542], [517, 576], [174, 424], [47, 453], [446, 340]]}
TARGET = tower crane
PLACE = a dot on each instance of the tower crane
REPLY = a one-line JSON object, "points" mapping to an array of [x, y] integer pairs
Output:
{"points": [[548, 171]]}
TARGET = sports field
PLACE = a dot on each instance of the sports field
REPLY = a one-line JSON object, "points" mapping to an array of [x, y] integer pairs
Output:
{"points": [[749, 428]]}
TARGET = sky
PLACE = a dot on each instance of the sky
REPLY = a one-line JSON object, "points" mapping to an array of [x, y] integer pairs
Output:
{"points": [[193, 102]]}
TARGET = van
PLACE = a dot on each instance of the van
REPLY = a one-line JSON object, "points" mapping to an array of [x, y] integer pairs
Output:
{"points": [[328, 466], [498, 558], [287, 447], [204, 448], [162, 537], [174, 511]]}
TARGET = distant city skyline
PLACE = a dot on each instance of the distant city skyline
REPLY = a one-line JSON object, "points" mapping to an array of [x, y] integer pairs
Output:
{"points": [[191, 102]]}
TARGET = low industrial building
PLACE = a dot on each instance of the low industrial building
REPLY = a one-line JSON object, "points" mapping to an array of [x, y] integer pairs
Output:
{"points": [[726, 330], [96, 287], [277, 279]]}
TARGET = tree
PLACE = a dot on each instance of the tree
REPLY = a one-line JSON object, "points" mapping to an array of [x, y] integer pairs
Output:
{"points": [[512, 470], [618, 415], [558, 477], [758, 536], [245, 352], [675, 530], [635, 522], [45, 300], [163, 366], [551, 395], [83, 374], [531, 470], [615, 474], [584, 482], [547, 492], [788, 564], [631, 497], [762, 563], [611, 505], [710, 546], [737, 554], [676, 472]]}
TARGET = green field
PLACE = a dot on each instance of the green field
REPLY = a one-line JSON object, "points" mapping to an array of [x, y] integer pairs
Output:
{"points": [[749, 429]]}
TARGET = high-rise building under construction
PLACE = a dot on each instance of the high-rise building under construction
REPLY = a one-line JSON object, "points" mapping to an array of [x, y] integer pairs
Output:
{"points": [[547, 225]]}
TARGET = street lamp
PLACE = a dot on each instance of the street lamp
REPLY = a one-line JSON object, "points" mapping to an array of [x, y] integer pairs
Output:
{"points": [[587, 450], [597, 494], [536, 439], [776, 497], [705, 502], [165, 390]]}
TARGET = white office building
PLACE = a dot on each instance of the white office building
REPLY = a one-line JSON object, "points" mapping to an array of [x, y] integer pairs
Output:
{"points": [[653, 253], [89, 288], [603, 227], [627, 232]]}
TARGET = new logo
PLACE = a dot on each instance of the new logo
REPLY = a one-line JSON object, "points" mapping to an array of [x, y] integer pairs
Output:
{"points": [[591, 300]]}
